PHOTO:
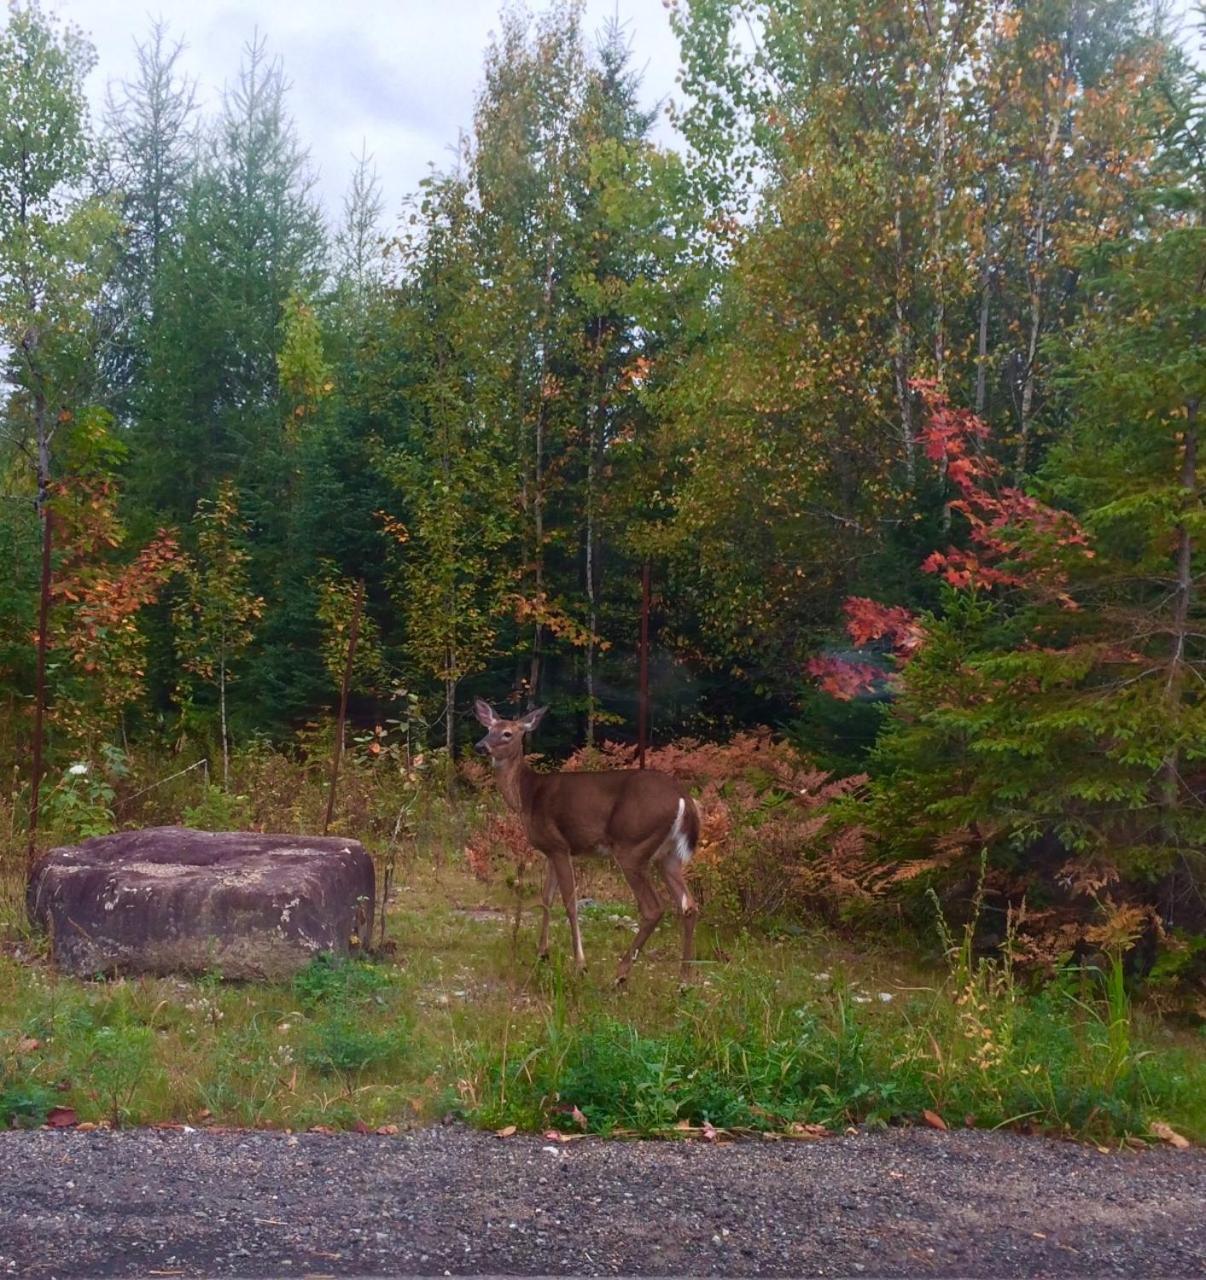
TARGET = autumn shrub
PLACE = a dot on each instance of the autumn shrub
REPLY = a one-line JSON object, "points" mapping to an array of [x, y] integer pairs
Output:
{"points": [[1061, 739]]}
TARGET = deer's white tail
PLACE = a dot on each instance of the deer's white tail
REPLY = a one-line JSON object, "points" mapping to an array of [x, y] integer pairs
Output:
{"points": [[684, 832]]}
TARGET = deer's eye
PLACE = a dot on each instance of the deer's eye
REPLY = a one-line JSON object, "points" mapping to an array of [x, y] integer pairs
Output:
{"points": [[506, 733]]}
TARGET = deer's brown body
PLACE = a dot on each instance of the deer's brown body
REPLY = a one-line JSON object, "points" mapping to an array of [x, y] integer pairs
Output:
{"points": [[642, 819]]}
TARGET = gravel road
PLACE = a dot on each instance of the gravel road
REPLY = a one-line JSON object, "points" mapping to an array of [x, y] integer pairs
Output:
{"points": [[910, 1202]]}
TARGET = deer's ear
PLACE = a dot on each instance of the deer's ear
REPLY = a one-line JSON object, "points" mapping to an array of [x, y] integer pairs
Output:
{"points": [[484, 712], [532, 719]]}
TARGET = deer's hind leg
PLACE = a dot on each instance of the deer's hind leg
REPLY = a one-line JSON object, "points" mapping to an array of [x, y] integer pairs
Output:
{"points": [[649, 906], [671, 867]]}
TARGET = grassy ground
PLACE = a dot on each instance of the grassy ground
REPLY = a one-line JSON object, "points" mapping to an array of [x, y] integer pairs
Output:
{"points": [[458, 1017]]}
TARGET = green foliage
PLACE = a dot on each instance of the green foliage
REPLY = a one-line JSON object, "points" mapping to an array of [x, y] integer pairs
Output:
{"points": [[581, 353], [24, 1102], [1061, 1060], [219, 810], [329, 981], [340, 1045], [115, 1059], [81, 803], [214, 618]]}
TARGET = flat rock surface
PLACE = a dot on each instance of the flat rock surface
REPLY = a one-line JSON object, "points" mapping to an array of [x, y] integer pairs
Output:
{"points": [[910, 1202], [172, 900]]}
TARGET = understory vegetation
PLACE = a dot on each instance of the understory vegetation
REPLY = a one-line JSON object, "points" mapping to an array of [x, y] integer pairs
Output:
{"points": [[790, 1028], [873, 403]]}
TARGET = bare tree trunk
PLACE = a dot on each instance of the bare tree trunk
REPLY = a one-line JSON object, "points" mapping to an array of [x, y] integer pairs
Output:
{"points": [[337, 752], [982, 340], [643, 695], [593, 417], [222, 717], [1035, 279], [939, 231], [39, 732], [450, 714], [538, 484], [1182, 601], [901, 358], [592, 610]]}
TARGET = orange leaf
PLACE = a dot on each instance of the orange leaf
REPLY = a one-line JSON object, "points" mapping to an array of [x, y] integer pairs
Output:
{"points": [[933, 1119], [1169, 1135]]}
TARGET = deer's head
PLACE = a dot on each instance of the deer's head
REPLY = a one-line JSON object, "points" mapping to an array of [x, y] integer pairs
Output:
{"points": [[504, 738]]}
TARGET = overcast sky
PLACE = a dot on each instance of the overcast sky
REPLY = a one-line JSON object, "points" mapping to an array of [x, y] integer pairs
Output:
{"points": [[398, 75]]}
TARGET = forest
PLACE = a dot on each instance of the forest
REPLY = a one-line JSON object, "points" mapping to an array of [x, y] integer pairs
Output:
{"points": [[887, 376]]}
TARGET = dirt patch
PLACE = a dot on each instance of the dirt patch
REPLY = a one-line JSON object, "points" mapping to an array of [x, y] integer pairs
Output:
{"points": [[450, 1201]]}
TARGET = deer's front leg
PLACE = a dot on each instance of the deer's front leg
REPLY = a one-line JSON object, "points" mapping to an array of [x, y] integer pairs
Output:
{"points": [[546, 903], [563, 868]]}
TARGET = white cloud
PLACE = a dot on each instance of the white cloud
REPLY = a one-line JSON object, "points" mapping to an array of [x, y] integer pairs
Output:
{"points": [[400, 76]]}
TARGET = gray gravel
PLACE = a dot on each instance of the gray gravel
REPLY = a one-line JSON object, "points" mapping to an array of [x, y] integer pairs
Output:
{"points": [[449, 1201]]}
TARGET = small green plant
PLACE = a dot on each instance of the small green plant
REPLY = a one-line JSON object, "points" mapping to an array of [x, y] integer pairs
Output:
{"points": [[219, 810], [115, 1062], [24, 1102], [342, 1045], [330, 980]]}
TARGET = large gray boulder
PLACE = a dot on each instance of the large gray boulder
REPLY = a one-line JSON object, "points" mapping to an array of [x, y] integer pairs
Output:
{"points": [[171, 900]]}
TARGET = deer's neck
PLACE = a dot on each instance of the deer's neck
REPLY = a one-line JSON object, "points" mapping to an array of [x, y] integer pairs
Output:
{"points": [[514, 780]]}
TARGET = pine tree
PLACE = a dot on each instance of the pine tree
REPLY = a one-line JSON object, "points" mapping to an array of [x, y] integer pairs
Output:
{"points": [[151, 132]]}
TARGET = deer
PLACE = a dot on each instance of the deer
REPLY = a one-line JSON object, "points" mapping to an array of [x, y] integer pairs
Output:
{"points": [[642, 819]]}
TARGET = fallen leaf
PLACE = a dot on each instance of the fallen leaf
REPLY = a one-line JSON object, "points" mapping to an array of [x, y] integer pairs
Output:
{"points": [[361, 1127], [320, 1128], [807, 1131], [1169, 1135], [61, 1117], [28, 1045], [387, 1130], [85, 1127], [709, 1132], [579, 1119], [507, 1131], [933, 1119]]}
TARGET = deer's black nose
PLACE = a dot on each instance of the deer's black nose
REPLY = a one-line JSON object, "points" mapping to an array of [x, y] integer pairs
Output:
{"points": [[480, 747]]}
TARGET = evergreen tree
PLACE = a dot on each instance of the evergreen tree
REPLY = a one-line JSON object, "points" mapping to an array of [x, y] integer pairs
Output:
{"points": [[152, 143], [250, 236]]}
